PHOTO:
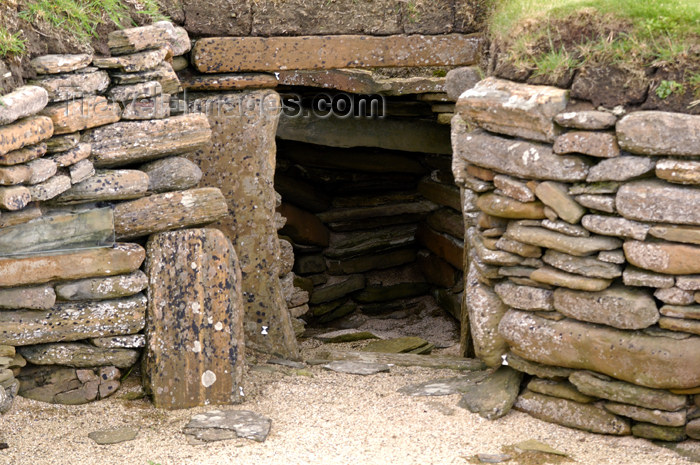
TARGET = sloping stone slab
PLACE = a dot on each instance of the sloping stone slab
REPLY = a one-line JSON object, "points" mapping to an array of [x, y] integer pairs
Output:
{"points": [[578, 246], [630, 356], [156, 35], [514, 109], [235, 54], [103, 288], [660, 133], [240, 423], [357, 368]]}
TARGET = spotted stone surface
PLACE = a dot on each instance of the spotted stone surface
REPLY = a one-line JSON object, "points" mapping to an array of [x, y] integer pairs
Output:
{"points": [[195, 311]]}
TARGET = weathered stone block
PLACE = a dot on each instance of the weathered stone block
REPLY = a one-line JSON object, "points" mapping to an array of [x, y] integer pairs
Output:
{"points": [[213, 55], [154, 36], [195, 308], [15, 197], [485, 311], [587, 119], [595, 144], [23, 155], [78, 355], [664, 257], [22, 102], [64, 87], [620, 169], [54, 64], [110, 287], [124, 143], [133, 63], [635, 357], [27, 131], [85, 113], [520, 110], [50, 188], [678, 171], [30, 298], [108, 185], [171, 174], [660, 133]]}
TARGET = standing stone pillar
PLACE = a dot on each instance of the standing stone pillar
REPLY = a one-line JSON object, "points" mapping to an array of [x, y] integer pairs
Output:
{"points": [[194, 352], [240, 160]]}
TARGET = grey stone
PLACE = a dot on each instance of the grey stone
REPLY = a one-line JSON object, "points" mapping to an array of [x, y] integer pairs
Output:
{"points": [[556, 197], [55, 64], [103, 288], [555, 277], [603, 387], [585, 266], [81, 171], [658, 201], [619, 307], [579, 246], [681, 311], [78, 355], [124, 94], [286, 363], [163, 74], [612, 256], [62, 87], [493, 397], [587, 119], [603, 203], [240, 423], [659, 133], [621, 169], [565, 228], [171, 174], [524, 297], [523, 159], [31, 298], [513, 188], [664, 257], [446, 386], [114, 435], [337, 287], [688, 283], [108, 185], [595, 144], [572, 414], [485, 310], [459, 80], [345, 335], [636, 277], [21, 102], [674, 296], [51, 188], [557, 388], [614, 226], [493, 458], [655, 416], [596, 188], [537, 369], [357, 368], [488, 256], [132, 341], [660, 433]]}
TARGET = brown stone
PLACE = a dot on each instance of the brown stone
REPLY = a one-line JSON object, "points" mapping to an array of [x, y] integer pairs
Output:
{"points": [[15, 197], [664, 257], [247, 185], [446, 247], [634, 357], [163, 74], [595, 144], [214, 55], [81, 171], [505, 207], [62, 87], [40, 170], [30, 212], [579, 246], [516, 158], [556, 197], [85, 113], [659, 133], [514, 109], [485, 311], [524, 297], [557, 277], [62, 143], [196, 273], [122, 258], [448, 221], [678, 171], [620, 169], [148, 108], [55, 64], [674, 296], [149, 37], [586, 266], [441, 194], [21, 102], [27, 131], [165, 212], [72, 156], [513, 188], [127, 93], [23, 155], [108, 185], [51, 188], [679, 324], [171, 174], [675, 233], [73, 321], [16, 174], [602, 203], [30, 298], [304, 227], [124, 143], [518, 248], [237, 81], [691, 312], [133, 63], [615, 226]]}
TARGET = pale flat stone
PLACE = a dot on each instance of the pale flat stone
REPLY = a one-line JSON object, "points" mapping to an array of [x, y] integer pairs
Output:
{"points": [[620, 169], [674, 296], [103, 288], [22, 102], [85, 113], [72, 155], [485, 310], [586, 266], [615, 226], [565, 228], [163, 74], [506, 207], [23, 155], [127, 93], [514, 109], [26, 132], [659, 133], [679, 324], [113, 436], [619, 307], [239, 423], [108, 185], [556, 197], [588, 119], [156, 35], [678, 171], [675, 233], [525, 297], [688, 283], [357, 368], [493, 397], [691, 312], [78, 355], [557, 277], [62, 87], [134, 62], [602, 203], [654, 362], [81, 171], [637, 277], [131, 341], [15, 197], [63, 142], [40, 170], [518, 248], [31, 298], [612, 256], [50, 188], [579, 246], [55, 64], [556, 388], [147, 108], [513, 188]]}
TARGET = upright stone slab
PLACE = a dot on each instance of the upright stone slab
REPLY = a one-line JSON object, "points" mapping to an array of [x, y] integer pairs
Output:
{"points": [[194, 351], [240, 160]]}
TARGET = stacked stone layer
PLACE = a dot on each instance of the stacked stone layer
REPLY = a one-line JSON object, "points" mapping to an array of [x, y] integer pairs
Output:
{"points": [[583, 268], [88, 152]]}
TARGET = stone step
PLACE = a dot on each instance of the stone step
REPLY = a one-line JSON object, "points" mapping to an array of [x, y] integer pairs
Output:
{"points": [[235, 54]]}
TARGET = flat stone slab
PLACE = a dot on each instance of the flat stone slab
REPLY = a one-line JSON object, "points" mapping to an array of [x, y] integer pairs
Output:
{"points": [[235, 54], [445, 386], [587, 119], [222, 82], [625, 355], [28, 131], [397, 345], [237, 423], [21, 102], [357, 368], [664, 257], [346, 335], [114, 435], [660, 133], [658, 201], [78, 355], [578, 246], [85, 113]]}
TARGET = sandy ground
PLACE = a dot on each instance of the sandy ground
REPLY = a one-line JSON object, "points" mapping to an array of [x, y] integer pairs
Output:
{"points": [[319, 417]]}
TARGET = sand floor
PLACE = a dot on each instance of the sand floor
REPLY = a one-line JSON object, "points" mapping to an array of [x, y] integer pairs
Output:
{"points": [[319, 417]]}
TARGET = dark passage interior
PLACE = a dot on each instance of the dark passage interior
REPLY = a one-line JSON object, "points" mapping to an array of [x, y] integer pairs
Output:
{"points": [[377, 242]]}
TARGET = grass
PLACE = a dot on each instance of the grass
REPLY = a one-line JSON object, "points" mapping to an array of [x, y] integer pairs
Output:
{"points": [[81, 18], [11, 44], [553, 36]]}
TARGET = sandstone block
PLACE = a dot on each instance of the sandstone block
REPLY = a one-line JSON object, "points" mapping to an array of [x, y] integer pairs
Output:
{"points": [[522, 159], [127, 93], [615, 226], [620, 169], [587, 119], [619, 307], [442, 245], [50, 188], [78, 355], [55, 64], [579, 246], [123, 143], [63, 142], [15, 197], [40, 170], [680, 324], [557, 277], [30, 298], [62, 87], [240, 81], [134, 62], [678, 171], [525, 297], [459, 80], [213, 55], [154, 36], [171, 174], [636, 277], [23, 155], [196, 308], [556, 197], [108, 185], [163, 74], [21, 102], [664, 257], [603, 203], [585, 266], [659, 133], [505, 207], [691, 312], [595, 144], [147, 108], [110, 287], [485, 311], [72, 155], [514, 109], [675, 233], [561, 389], [634, 357], [120, 259], [674, 296], [87, 319], [513, 188], [85, 113], [27, 131]]}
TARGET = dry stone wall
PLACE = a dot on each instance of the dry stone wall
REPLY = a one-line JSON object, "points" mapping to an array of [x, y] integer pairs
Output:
{"points": [[89, 154], [584, 260]]}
